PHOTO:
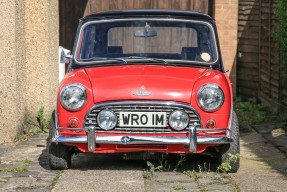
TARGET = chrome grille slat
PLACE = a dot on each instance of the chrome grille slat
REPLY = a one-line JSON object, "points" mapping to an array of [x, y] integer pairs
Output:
{"points": [[143, 110], [117, 107], [140, 129]]}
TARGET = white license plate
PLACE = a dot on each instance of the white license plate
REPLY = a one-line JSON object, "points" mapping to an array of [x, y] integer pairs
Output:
{"points": [[142, 119]]}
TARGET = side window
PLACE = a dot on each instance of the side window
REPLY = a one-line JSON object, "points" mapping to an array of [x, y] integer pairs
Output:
{"points": [[89, 42]]}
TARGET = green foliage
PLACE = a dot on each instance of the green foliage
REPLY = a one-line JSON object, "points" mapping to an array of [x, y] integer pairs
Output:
{"points": [[22, 168], [43, 123], [34, 126], [225, 166], [178, 188], [193, 174], [281, 32], [152, 168], [20, 137], [27, 162], [250, 112], [149, 173], [179, 163]]}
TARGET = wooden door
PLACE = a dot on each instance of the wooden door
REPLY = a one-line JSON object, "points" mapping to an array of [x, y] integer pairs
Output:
{"points": [[72, 11]]}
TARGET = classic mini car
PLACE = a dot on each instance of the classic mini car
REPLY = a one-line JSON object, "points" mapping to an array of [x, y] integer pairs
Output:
{"points": [[144, 83]]}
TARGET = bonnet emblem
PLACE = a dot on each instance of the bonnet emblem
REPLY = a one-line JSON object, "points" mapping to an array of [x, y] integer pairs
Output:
{"points": [[125, 139], [141, 92]]}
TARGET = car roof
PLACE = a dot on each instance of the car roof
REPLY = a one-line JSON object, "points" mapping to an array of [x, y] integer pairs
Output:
{"points": [[147, 13]]}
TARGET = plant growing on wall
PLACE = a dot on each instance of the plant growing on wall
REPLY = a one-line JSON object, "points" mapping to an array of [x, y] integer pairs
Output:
{"points": [[281, 30]]}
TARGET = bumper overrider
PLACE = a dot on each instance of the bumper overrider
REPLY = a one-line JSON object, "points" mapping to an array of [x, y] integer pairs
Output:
{"points": [[192, 140]]}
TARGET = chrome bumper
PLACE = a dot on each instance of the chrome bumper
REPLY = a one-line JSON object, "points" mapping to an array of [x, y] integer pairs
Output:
{"points": [[191, 140]]}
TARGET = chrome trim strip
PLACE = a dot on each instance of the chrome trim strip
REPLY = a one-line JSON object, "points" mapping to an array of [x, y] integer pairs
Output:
{"points": [[144, 140], [150, 19], [205, 130], [173, 103], [230, 121], [56, 128]]}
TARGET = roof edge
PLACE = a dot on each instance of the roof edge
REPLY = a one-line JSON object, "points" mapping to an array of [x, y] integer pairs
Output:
{"points": [[148, 12]]}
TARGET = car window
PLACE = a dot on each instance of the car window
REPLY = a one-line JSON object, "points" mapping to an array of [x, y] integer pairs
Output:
{"points": [[162, 39]]}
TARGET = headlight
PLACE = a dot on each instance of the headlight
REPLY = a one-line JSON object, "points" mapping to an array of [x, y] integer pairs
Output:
{"points": [[107, 119], [210, 97], [178, 120], [73, 97]]}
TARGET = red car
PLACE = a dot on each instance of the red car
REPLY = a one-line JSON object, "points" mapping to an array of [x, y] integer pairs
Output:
{"points": [[143, 83]]}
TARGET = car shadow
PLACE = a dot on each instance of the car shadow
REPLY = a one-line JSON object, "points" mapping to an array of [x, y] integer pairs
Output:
{"points": [[173, 162]]}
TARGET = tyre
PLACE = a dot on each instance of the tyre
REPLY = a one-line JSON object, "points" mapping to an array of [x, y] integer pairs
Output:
{"points": [[230, 152], [59, 156], [52, 129]]}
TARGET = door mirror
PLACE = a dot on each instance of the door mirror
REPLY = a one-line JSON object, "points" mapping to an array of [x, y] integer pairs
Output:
{"points": [[64, 55]]}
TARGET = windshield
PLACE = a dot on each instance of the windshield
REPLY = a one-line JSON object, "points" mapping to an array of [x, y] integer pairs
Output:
{"points": [[150, 40]]}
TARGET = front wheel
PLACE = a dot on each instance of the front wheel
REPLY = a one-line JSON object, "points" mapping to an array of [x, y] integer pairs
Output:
{"points": [[229, 155], [59, 155]]}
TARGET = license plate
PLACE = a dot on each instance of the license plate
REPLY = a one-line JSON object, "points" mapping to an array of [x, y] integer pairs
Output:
{"points": [[142, 119]]}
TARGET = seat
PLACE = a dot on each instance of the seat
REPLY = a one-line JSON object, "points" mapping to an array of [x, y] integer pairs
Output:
{"points": [[115, 49], [189, 53]]}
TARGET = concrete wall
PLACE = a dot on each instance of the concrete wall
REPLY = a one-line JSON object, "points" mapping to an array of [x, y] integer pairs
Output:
{"points": [[226, 15], [28, 65]]}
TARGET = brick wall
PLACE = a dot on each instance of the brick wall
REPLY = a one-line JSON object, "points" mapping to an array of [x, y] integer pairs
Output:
{"points": [[226, 15]]}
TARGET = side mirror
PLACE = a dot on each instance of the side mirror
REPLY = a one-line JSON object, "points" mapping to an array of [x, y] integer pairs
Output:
{"points": [[64, 55]]}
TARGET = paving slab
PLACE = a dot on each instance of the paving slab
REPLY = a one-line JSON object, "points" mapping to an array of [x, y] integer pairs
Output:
{"points": [[21, 169], [262, 167], [24, 167]]}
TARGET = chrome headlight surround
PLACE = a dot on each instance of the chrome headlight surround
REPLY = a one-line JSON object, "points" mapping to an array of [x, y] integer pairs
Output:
{"points": [[178, 120], [210, 97], [107, 119], [73, 97]]}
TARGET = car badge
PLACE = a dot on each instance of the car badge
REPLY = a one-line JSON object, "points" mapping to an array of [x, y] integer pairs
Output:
{"points": [[141, 92], [125, 139]]}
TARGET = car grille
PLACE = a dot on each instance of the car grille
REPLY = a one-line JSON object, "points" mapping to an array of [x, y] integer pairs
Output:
{"points": [[145, 106]]}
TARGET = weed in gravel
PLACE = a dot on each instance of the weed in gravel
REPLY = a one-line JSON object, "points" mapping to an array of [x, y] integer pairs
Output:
{"points": [[22, 168], [161, 165], [34, 126], [202, 188], [43, 123], [193, 174], [149, 173], [180, 162], [55, 181], [27, 187], [27, 162], [204, 168], [178, 188], [225, 166]]}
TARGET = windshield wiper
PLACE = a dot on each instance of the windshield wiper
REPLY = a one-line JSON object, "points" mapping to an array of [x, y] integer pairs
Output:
{"points": [[125, 59], [150, 59], [105, 59]]}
